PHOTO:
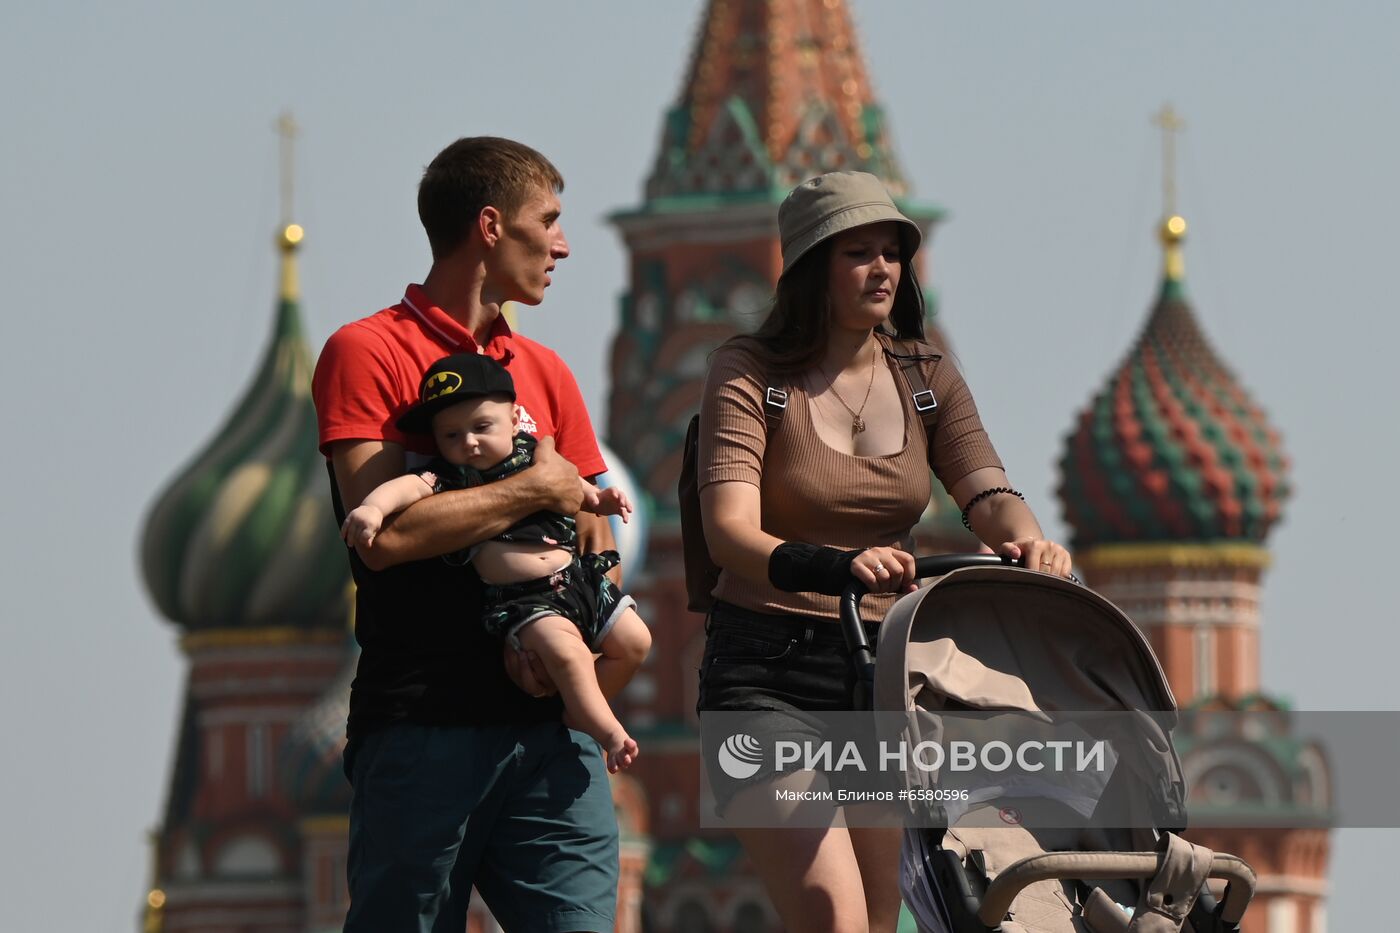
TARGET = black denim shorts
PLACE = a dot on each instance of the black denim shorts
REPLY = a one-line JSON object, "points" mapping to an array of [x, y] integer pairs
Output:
{"points": [[788, 666]]}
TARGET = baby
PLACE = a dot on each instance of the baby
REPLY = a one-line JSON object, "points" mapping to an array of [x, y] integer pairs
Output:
{"points": [[540, 594]]}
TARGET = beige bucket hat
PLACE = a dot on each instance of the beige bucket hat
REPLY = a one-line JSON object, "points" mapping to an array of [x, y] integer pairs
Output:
{"points": [[824, 206]]}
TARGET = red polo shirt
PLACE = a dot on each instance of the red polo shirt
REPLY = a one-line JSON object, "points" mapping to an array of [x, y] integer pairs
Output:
{"points": [[369, 371]]}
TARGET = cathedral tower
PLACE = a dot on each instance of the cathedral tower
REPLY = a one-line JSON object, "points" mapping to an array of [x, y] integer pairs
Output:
{"points": [[1171, 481], [239, 552], [776, 92]]}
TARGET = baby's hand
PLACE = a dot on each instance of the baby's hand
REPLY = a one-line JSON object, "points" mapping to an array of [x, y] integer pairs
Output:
{"points": [[610, 501], [361, 525]]}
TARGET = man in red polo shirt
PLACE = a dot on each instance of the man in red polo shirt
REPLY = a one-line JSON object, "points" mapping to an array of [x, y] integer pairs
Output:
{"points": [[460, 776]]}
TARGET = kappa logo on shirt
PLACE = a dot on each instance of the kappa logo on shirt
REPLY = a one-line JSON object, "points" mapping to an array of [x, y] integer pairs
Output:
{"points": [[527, 424]]}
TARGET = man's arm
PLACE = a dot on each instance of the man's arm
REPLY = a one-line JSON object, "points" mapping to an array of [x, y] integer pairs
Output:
{"points": [[453, 520]]}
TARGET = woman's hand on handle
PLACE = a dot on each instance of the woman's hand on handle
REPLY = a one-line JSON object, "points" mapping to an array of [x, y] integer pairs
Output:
{"points": [[885, 570], [997, 513], [1039, 554]]}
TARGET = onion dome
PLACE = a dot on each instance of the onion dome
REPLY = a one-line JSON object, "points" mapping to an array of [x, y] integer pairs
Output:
{"points": [[309, 763], [243, 536], [1172, 448]]}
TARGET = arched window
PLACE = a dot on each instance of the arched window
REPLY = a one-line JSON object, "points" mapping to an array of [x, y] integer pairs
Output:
{"points": [[693, 918], [248, 856], [751, 918]]}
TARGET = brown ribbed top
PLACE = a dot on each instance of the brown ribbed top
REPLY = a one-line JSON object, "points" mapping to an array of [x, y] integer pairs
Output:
{"points": [[814, 493]]}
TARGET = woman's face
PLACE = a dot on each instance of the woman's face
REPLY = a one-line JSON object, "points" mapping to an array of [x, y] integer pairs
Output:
{"points": [[864, 274]]}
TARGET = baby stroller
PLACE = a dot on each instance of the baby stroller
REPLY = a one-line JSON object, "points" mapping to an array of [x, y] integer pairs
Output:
{"points": [[987, 635]]}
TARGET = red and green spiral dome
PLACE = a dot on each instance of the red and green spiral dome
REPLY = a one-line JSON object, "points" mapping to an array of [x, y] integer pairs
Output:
{"points": [[1172, 448]]}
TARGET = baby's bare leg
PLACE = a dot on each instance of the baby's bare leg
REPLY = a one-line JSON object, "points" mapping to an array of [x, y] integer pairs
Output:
{"points": [[624, 650], [570, 664]]}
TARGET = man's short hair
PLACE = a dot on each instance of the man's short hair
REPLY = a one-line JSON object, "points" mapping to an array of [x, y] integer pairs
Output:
{"points": [[473, 173]]}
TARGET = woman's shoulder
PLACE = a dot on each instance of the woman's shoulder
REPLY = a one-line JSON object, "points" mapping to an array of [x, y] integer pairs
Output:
{"points": [[738, 357], [742, 349], [925, 347]]}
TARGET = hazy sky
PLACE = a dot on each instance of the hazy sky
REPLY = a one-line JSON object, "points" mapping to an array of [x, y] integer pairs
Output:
{"points": [[138, 201]]}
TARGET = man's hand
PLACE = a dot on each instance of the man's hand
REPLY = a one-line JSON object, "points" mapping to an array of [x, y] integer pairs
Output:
{"points": [[361, 525], [555, 478], [527, 671]]}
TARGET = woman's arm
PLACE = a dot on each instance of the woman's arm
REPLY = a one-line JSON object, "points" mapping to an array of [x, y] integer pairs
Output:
{"points": [[731, 512], [1006, 524]]}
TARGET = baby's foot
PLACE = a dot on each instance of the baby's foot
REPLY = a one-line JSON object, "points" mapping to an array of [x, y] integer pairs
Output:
{"points": [[621, 753]]}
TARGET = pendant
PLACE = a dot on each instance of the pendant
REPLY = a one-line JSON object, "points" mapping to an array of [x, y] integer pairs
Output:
{"points": [[857, 425]]}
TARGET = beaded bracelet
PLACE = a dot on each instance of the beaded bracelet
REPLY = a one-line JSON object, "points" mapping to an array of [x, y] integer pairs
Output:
{"points": [[987, 494]]}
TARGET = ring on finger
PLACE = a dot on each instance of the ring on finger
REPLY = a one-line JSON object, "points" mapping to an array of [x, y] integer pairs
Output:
{"points": [[878, 568]]}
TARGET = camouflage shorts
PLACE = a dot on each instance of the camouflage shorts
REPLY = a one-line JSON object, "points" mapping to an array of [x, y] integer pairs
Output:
{"points": [[580, 592]]}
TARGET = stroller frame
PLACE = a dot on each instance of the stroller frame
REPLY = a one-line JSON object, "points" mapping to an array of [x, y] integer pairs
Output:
{"points": [[976, 905]]}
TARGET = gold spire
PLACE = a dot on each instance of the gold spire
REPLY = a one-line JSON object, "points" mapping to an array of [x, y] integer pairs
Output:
{"points": [[153, 917], [1173, 228], [290, 235]]}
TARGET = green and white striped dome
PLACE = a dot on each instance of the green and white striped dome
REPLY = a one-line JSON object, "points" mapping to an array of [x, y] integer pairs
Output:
{"points": [[243, 536]]}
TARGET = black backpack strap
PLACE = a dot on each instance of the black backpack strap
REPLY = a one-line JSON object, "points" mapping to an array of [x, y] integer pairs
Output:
{"points": [[911, 362]]}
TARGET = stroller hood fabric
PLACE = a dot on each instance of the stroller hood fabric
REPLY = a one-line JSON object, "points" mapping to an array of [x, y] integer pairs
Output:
{"points": [[1007, 638], [1004, 638]]}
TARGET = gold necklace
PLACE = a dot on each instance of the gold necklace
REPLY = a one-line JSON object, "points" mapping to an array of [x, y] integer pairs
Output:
{"points": [[857, 422]]}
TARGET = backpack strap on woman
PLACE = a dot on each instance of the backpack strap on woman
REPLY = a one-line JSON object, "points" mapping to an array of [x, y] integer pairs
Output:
{"points": [[916, 359]]}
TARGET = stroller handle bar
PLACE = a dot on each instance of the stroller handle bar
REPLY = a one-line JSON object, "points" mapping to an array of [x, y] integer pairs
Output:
{"points": [[1106, 865], [934, 566]]}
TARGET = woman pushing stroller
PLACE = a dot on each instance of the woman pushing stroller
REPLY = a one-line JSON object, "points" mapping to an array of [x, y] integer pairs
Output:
{"points": [[817, 433]]}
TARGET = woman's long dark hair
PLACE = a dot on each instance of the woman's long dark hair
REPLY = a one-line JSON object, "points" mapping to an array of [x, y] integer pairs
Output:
{"points": [[793, 336]]}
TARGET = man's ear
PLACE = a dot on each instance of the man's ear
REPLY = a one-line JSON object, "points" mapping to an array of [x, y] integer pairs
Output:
{"points": [[488, 224], [515, 417]]}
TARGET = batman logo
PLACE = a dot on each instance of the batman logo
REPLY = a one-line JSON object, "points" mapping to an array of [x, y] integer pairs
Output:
{"points": [[439, 384]]}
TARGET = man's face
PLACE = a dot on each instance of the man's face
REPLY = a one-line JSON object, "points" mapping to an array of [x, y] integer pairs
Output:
{"points": [[531, 242]]}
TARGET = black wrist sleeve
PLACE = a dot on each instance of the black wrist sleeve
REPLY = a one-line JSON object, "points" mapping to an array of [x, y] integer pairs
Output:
{"points": [[796, 567]]}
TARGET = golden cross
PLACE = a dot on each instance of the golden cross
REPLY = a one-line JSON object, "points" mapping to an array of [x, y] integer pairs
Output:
{"points": [[287, 129], [1171, 123]]}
